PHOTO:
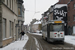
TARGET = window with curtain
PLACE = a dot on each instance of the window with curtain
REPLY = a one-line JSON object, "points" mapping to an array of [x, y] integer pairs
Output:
{"points": [[19, 11]]}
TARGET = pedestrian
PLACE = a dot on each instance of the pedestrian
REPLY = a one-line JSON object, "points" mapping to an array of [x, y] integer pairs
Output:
{"points": [[22, 35]]}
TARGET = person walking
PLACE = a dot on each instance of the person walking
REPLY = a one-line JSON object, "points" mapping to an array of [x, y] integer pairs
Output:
{"points": [[22, 35]]}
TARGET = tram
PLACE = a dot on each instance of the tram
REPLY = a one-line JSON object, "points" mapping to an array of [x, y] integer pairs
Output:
{"points": [[53, 31]]}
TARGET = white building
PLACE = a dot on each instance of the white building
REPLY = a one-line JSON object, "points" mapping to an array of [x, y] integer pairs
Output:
{"points": [[9, 21], [36, 27], [8, 18]]}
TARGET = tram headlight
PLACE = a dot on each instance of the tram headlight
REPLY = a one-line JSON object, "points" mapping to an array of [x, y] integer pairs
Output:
{"points": [[61, 33], [55, 33]]}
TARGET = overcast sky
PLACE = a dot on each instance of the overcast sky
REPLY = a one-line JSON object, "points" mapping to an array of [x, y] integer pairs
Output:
{"points": [[39, 6]]}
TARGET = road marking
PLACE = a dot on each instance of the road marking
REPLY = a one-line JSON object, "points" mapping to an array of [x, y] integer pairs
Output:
{"points": [[41, 47], [37, 44]]}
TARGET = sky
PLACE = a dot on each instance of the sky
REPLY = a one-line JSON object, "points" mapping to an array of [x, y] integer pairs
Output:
{"points": [[38, 6]]}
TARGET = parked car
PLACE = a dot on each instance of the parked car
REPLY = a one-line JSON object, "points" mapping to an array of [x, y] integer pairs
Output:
{"points": [[28, 31], [39, 31]]}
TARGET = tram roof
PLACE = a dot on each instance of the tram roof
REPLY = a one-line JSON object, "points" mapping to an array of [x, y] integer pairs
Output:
{"points": [[54, 21]]}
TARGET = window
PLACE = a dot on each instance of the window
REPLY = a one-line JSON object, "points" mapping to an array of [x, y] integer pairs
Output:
{"points": [[68, 18], [15, 0], [44, 28], [10, 28], [74, 6], [74, 17], [19, 11], [59, 0], [51, 27], [3, 0], [73, 29], [7, 2], [56, 27], [10, 3], [68, 8], [4, 28], [71, 0], [22, 14]]}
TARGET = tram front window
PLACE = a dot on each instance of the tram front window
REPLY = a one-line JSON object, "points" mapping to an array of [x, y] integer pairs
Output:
{"points": [[55, 27]]}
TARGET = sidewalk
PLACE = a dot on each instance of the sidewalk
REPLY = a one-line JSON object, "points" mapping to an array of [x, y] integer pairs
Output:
{"points": [[17, 45], [70, 39]]}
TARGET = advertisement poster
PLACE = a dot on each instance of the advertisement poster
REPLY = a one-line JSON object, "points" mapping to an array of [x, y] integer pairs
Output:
{"points": [[60, 12]]}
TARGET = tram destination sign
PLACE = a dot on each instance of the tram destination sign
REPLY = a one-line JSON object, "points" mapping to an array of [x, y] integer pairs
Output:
{"points": [[60, 12]]}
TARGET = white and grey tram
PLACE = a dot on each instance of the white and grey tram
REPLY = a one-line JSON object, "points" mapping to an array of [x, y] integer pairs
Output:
{"points": [[53, 31]]}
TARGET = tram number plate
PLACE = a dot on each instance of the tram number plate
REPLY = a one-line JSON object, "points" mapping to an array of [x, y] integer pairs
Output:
{"points": [[58, 35]]}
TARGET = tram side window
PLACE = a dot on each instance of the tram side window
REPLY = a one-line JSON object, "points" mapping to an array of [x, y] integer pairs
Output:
{"points": [[51, 27], [44, 28]]}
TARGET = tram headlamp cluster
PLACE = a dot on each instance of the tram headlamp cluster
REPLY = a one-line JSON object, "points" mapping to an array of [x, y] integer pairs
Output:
{"points": [[55, 33], [61, 33]]}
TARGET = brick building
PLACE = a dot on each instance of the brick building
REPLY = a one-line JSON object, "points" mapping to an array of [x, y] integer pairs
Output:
{"points": [[70, 15], [63, 1]]}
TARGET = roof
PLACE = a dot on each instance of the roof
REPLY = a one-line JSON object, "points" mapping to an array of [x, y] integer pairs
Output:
{"points": [[37, 22]]}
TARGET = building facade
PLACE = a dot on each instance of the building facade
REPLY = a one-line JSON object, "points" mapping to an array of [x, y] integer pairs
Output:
{"points": [[11, 20], [37, 26], [8, 21], [20, 17], [51, 13], [71, 17]]}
